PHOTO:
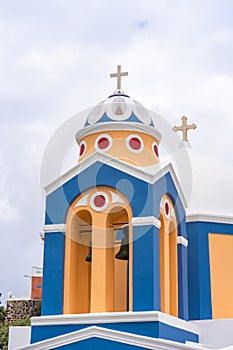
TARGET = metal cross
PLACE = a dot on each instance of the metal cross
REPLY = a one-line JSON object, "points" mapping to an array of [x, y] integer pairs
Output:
{"points": [[184, 128], [118, 75]]}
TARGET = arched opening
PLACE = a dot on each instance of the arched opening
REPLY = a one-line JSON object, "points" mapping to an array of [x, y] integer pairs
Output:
{"points": [[77, 275], [118, 226], [168, 261]]}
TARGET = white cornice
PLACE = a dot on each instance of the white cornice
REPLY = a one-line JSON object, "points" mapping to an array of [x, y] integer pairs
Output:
{"points": [[114, 317], [54, 228], [109, 126], [148, 174], [111, 335], [146, 220], [221, 219]]}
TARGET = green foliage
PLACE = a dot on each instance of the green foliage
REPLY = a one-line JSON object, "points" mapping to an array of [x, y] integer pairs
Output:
{"points": [[2, 314], [38, 309], [4, 331]]}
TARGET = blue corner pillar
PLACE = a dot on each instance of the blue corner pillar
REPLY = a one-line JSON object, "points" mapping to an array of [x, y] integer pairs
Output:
{"points": [[146, 266], [52, 294]]}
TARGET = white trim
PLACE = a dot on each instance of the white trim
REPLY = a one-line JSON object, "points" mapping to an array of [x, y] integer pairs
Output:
{"points": [[54, 228], [152, 147], [106, 136], [112, 335], [131, 136], [92, 199], [85, 148], [145, 174], [223, 219], [114, 317], [182, 240], [82, 202], [109, 126], [146, 220]]}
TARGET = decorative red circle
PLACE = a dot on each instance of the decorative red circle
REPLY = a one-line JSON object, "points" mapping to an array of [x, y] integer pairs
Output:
{"points": [[156, 151], [167, 209], [82, 149], [103, 143], [99, 201], [135, 143]]}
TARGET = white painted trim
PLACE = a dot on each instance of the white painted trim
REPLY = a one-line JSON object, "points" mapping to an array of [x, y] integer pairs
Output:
{"points": [[54, 228], [182, 240], [146, 220], [114, 317], [130, 148], [106, 136], [112, 335], [111, 126], [222, 219], [145, 174]]}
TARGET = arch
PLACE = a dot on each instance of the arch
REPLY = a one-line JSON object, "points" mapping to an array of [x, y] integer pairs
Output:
{"points": [[168, 257], [117, 220], [103, 284], [77, 272]]}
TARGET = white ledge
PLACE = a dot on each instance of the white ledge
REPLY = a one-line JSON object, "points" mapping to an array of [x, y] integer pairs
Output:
{"points": [[182, 240], [221, 219], [114, 317], [146, 220], [54, 228]]}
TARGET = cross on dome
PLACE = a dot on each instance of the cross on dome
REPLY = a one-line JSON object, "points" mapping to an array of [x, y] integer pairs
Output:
{"points": [[184, 128], [118, 75]]}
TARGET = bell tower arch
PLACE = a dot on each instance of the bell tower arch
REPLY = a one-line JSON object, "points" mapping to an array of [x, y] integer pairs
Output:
{"points": [[97, 252]]}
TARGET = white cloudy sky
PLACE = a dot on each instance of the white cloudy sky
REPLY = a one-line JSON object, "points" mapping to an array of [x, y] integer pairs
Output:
{"points": [[55, 60]]}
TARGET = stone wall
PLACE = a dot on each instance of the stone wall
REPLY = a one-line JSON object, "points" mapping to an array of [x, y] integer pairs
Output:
{"points": [[21, 309]]}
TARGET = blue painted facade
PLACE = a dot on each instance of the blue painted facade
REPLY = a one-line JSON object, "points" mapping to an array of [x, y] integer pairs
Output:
{"points": [[149, 329], [145, 200], [199, 267]]}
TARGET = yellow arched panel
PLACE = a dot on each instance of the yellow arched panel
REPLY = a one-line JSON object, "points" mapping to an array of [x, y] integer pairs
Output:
{"points": [[168, 258]]}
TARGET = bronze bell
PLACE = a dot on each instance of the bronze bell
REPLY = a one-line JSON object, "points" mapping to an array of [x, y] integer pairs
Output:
{"points": [[123, 253], [89, 255]]}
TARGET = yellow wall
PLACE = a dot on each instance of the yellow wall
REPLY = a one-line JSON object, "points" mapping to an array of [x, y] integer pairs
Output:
{"points": [[120, 151], [101, 285], [221, 275], [168, 260]]}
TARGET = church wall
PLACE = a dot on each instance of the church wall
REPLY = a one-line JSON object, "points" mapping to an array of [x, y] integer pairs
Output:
{"points": [[169, 329], [200, 307], [52, 295]]}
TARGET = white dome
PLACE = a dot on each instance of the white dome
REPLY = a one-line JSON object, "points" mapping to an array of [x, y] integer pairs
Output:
{"points": [[212, 187]]}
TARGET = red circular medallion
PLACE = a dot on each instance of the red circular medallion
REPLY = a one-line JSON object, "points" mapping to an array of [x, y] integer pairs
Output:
{"points": [[99, 201], [103, 143], [135, 143], [167, 209], [156, 151], [82, 149]]}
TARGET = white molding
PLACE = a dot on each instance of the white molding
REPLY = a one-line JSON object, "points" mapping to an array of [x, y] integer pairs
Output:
{"points": [[112, 126], [182, 240], [54, 228], [221, 219], [146, 220], [114, 317], [112, 335], [148, 174]]}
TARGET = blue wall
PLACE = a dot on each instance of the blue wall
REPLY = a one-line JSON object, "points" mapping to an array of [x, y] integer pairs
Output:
{"points": [[199, 267], [52, 295]]}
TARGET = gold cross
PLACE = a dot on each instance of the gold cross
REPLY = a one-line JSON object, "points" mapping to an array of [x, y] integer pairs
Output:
{"points": [[118, 75], [184, 128]]}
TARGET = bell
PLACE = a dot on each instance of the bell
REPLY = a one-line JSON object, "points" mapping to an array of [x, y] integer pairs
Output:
{"points": [[123, 253], [89, 255]]}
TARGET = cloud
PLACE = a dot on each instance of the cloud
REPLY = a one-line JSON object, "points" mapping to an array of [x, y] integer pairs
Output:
{"points": [[55, 60]]}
